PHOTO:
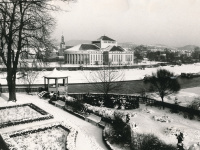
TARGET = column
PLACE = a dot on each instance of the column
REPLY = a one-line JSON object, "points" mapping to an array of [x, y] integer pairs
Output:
{"points": [[75, 58], [72, 58], [67, 58], [83, 58], [88, 59]]}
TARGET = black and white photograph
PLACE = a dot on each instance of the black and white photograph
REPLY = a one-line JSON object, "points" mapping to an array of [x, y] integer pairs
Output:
{"points": [[99, 74]]}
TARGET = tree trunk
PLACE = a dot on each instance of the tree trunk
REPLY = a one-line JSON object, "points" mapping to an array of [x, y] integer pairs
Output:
{"points": [[11, 88], [162, 102]]}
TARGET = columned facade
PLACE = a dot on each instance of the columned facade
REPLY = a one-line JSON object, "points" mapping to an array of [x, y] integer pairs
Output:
{"points": [[92, 54]]}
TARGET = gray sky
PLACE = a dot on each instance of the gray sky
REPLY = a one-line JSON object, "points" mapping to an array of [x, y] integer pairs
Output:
{"points": [[169, 22]]}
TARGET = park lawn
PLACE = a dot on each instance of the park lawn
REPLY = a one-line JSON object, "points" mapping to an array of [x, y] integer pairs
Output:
{"points": [[147, 121], [131, 87]]}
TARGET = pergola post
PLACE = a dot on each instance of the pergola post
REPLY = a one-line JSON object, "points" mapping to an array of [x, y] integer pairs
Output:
{"points": [[48, 84], [66, 85], [45, 83]]}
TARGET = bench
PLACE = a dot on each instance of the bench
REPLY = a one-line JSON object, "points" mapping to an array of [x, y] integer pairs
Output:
{"points": [[41, 94], [92, 118], [60, 104], [102, 124]]}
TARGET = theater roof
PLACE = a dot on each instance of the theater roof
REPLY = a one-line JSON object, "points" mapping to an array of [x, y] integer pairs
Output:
{"points": [[105, 38], [114, 48], [84, 47]]}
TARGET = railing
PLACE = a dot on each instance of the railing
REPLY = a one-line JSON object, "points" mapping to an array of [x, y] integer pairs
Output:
{"points": [[93, 67], [23, 88]]}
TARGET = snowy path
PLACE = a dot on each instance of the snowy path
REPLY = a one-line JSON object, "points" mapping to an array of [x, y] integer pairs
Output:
{"points": [[90, 136]]}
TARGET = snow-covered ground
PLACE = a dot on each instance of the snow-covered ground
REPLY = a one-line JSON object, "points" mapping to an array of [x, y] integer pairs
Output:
{"points": [[130, 74], [184, 97], [147, 120], [89, 136]]}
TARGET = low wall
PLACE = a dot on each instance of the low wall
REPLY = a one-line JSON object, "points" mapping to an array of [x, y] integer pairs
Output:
{"points": [[94, 67]]}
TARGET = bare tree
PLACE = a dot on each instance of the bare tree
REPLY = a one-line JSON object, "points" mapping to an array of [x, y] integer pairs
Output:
{"points": [[29, 76], [24, 24], [106, 80]]}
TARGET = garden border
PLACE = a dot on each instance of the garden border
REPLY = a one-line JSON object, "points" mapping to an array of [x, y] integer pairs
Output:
{"points": [[45, 116], [71, 138]]}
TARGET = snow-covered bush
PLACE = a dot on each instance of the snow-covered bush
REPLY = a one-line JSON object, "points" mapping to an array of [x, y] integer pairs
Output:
{"points": [[107, 113], [195, 104], [150, 142]]}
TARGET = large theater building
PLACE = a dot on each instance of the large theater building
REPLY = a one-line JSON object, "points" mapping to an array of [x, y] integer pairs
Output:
{"points": [[103, 51]]}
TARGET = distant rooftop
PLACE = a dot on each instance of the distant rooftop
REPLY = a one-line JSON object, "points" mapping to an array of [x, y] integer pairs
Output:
{"points": [[105, 38], [84, 47], [117, 48], [88, 46], [114, 48]]}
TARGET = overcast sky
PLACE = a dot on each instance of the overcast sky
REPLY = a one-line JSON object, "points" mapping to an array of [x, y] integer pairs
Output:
{"points": [[169, 22]]}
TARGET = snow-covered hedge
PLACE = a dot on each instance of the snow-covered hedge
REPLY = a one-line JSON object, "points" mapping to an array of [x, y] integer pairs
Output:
{"points": [[107, 113]]}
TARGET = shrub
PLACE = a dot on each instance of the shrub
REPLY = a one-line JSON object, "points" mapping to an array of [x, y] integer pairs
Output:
{"points": [[108, 102], [76, 105], [195, 104], [174, 109], [151, 142], [122, 131]]}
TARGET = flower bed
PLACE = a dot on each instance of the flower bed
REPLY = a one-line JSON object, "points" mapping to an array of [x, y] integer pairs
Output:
{"points": [[59, 136], [20, 114]]}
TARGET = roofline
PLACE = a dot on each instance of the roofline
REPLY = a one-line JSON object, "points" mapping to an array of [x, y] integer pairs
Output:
{"points": [[56, 77]]}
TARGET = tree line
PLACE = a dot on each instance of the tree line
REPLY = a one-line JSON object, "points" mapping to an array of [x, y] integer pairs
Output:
{"points": [[166, 55]]}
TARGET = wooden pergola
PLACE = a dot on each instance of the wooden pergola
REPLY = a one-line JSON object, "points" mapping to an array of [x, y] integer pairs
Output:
{"points": [[56, 87]]}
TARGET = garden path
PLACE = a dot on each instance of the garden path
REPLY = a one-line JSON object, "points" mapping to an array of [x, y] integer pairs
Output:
{"points": [[89, 137]]}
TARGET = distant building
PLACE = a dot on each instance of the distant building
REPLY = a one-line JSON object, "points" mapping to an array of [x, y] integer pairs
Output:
{"points": [[103, 51], [104, 42]]}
